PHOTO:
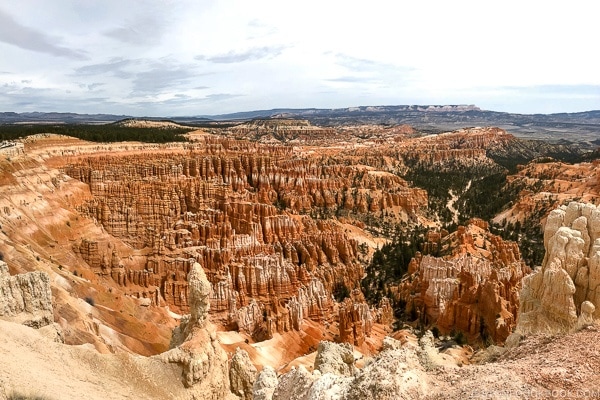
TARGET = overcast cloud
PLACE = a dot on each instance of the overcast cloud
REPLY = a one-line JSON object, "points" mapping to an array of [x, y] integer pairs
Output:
{"points": [[186, 57]]}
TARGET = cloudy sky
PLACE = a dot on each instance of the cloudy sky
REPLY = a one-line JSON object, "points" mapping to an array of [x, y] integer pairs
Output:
{"points": [[201, 57]]}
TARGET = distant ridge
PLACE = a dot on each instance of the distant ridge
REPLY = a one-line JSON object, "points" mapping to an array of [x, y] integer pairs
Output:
{"points": [[56, 117], [580, 126], [291, 112]]}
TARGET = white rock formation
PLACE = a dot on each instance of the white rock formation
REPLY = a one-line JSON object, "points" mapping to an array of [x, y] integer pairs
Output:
{"points": [[203, 361], [396, 373], [567, 285], [25, 298], [265, 384], [294, 385], [242, 374], [335, 358]]}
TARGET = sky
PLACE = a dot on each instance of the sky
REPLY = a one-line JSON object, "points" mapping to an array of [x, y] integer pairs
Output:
{"points": [[208, 57]]}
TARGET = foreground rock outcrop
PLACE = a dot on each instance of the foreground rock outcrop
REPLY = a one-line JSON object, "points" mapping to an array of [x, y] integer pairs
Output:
{"points": [[566, 288], [25, 298], [335, 358], [242, 374], [201, 358], [396, 373]]}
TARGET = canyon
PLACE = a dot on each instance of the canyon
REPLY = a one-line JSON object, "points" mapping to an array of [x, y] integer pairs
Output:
{"points": [[221, 265]]}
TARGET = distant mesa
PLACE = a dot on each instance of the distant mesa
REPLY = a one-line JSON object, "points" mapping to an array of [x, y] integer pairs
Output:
{"points": [[146, 123]]}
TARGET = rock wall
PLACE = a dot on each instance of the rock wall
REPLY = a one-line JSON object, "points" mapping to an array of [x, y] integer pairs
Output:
{"points": [[25, 298], [552, 297]]}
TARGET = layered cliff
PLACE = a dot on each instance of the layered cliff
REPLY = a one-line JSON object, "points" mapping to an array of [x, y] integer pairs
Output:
{"points": [[281, 130], [545, 184]]}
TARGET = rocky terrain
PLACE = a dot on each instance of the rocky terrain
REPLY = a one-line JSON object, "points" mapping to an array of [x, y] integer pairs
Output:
{"points": [[233, 264], [571, 267]]}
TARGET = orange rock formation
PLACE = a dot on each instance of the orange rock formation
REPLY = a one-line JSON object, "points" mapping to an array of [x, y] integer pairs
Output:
{"points": [[473, 288]]}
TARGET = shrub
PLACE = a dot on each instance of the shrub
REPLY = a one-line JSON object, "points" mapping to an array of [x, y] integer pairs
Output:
{"points": [[459, 338], [90, 301], [340, 291]]}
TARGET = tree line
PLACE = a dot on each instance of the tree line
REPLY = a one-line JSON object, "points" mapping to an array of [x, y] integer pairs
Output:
{"points": [[97, 133]]}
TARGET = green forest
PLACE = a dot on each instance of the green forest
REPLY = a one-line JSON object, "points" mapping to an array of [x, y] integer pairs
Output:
{"points": [[97, 133]]}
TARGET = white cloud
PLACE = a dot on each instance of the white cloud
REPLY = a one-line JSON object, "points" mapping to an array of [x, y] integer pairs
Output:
{"points": [[172, 57]]}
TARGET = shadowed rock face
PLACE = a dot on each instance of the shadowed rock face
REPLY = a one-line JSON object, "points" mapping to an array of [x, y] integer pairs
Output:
{"points": [[474, 288], [25, 298], [567, 285]]}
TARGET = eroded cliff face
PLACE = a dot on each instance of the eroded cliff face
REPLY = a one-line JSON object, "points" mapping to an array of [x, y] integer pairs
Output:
{"points": [[472, 288], [567, 285], [548, 184], [281, 130], [122, 224]]}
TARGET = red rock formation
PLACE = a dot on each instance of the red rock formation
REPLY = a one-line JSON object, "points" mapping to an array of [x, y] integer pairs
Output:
{"points": [[473, 288], [355, 319], [548, 185], [236, 208]]}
